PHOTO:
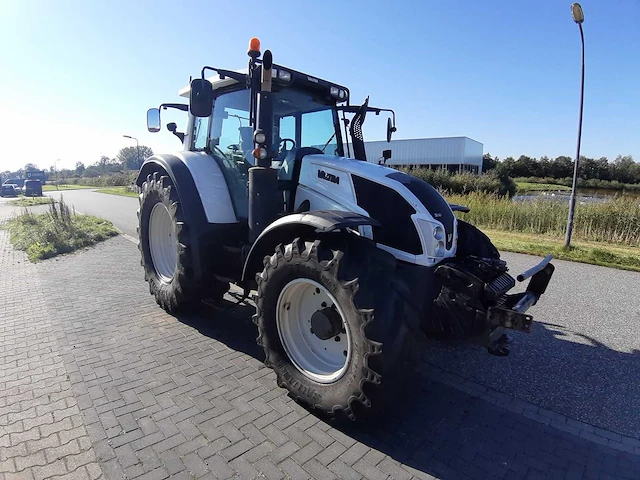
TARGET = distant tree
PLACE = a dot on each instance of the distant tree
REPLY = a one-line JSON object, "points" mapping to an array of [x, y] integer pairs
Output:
{"points": [[525, 167], [80, 168], [603, 169], [30, 167], [625, 170], [128, 156], [488, 162], [91, 171], [544, 166], [561, 167], [505, 167]]}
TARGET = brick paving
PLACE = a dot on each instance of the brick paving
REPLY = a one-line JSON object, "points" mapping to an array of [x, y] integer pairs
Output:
{"points": [[98, 382]]}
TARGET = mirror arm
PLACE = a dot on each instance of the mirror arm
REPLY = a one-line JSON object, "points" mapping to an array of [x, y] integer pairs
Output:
{"points": [[239, 77], [179, 106]]}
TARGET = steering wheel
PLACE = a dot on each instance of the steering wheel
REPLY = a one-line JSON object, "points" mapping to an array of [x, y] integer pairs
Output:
{"points": [[283, 142]]}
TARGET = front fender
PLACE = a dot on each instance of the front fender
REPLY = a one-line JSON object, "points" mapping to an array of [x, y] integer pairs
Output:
{"points": [[286, 228]]}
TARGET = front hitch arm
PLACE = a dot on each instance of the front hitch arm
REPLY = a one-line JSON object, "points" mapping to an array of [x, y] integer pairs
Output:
{"points": [[511, 313]]}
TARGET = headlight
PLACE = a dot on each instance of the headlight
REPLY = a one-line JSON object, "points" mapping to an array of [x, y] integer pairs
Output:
{"points": [[259, 137], [440, 249], [438, 233]]}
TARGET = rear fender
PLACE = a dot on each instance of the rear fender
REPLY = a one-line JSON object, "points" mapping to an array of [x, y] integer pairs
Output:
{"points": [[192, 206], [287, 228]]}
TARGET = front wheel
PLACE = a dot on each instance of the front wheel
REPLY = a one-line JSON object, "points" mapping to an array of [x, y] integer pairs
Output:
{"points": [[333, 326]]}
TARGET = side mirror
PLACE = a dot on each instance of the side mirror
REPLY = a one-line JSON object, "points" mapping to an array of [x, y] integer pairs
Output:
{"points": [[386, 154], [201, 98], [172, 127], [390, 130], [153, 120]]}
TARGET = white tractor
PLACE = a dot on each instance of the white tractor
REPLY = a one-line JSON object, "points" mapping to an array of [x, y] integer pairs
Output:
{"points": [[351, 260]]}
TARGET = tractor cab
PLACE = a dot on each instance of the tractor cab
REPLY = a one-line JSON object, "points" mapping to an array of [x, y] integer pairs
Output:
{"points": [[304, 117]]}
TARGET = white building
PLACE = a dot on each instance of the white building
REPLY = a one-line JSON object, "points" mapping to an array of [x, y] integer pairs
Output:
{"points": [[457, 154]]}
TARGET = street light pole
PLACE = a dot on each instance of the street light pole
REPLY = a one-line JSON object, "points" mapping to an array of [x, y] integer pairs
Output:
{"points": [[55, 166], [137, 149], [578, 17]]}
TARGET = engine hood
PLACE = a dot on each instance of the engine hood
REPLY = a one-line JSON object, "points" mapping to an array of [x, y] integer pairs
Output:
{"points": [[409, 209]]}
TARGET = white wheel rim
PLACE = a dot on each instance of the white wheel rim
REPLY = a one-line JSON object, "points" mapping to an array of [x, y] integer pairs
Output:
{"points": [[323, 361], [162, 242]]}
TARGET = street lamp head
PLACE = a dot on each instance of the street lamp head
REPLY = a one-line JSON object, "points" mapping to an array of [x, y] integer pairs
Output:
{"points": [[577, 13]]}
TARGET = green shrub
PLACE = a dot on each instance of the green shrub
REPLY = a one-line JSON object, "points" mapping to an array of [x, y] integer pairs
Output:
{"points": [[462, 183], [119, 179]]}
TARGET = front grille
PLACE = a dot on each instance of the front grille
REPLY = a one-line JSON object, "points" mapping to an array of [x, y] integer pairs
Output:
{"points": [[432, 201], [392, 211]]}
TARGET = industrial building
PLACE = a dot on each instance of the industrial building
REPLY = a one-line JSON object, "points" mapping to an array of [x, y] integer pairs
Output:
{"points": [[457, 154]]}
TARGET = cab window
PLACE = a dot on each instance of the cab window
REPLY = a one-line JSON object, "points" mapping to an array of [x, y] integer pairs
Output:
{"points": [[200, 131]]}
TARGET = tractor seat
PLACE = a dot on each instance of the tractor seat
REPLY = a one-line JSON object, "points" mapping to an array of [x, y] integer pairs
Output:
{"points": [[246, 139], [291, 164], [289, 174]]}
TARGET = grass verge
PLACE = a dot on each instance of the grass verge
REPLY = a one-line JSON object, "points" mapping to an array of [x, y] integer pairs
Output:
{"points": [[124, 191], [541, 187], [53, 188], [31, 201], [594, 253], [58, 231]]}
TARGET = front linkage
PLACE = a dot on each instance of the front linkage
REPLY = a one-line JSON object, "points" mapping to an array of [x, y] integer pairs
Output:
{"points": [[473, 300]]}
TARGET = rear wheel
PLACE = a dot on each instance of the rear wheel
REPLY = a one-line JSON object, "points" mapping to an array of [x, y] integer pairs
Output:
{"points": [[333, 326], [164, 245]]}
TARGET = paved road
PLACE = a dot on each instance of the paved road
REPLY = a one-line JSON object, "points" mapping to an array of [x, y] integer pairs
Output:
{"points": [[98, 382], [580, 360], [115, 208]]}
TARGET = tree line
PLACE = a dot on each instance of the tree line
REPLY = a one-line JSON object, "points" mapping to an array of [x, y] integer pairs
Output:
{"points": [[623, 169], [128, 158]]}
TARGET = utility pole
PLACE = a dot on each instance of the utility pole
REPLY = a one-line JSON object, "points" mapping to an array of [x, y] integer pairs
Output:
{"points": [[578, 17]]}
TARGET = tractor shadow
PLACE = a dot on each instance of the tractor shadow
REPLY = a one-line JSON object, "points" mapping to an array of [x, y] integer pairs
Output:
{"points": [[443, 431], [448, 433], [228, 322]]}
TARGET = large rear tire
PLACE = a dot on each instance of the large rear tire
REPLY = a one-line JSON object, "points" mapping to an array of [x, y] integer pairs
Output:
{"points": [[163, 240], [333, 325]]}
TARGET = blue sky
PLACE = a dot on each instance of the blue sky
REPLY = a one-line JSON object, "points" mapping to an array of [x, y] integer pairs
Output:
{"points": [[76, 76]]}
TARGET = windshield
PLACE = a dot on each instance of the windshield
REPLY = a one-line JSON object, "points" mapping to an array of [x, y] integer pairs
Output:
{"points": [[299, 120]]}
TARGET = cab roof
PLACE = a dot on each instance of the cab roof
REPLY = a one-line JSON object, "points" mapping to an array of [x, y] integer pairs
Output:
{"points": [[216, 82], [298, 78]]}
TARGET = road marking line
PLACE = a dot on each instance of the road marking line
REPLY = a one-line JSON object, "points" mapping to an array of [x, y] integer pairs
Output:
{"points": [[128, 237]]}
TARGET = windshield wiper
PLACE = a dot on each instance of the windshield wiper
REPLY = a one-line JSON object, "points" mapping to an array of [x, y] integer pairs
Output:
{"points": [[328, 141]]}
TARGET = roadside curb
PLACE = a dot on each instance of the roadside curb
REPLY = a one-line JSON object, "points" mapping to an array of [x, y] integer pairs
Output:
{"points": [[541, 415]]}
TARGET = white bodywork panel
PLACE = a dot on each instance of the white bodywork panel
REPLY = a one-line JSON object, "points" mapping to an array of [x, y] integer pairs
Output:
{"points": [[318, 184], [211, 185]]}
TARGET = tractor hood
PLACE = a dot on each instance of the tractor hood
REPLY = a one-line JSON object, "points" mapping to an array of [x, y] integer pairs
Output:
{"points": [[416, 220]]}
